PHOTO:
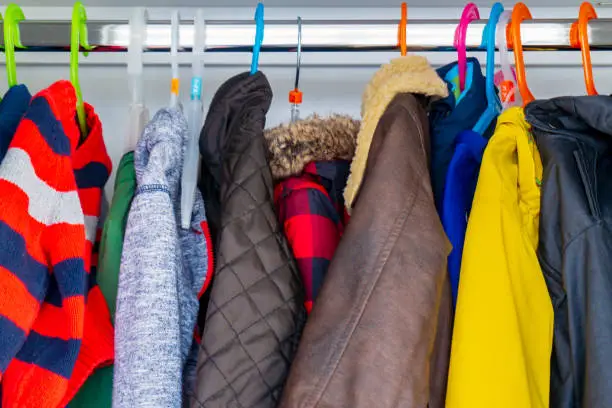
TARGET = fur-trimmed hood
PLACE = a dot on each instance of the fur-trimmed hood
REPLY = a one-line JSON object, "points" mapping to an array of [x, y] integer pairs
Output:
{"points": [[292, 146], [409, 74]]}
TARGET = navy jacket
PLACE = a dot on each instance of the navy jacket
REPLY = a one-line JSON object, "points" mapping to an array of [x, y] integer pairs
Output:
{"points": [[12, 108], [450, 116]]}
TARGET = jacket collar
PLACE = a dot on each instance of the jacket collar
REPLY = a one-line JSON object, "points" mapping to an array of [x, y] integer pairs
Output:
{"points": [[332, 176], [409, 74], [573, 116], [475, 80], [472, 102], [292, 146]]}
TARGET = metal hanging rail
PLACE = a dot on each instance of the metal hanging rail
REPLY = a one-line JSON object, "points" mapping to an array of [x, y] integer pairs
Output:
{"points": [[317, 35]]}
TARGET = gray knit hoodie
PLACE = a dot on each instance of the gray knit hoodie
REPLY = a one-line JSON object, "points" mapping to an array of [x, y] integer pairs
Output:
{"points": [[163, 270]]}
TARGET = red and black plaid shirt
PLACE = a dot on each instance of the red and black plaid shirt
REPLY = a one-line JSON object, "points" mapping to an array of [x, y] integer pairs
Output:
{"points": [[311, 209]]}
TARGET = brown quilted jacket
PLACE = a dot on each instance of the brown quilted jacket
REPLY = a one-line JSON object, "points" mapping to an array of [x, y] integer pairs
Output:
{"points": [[255, 312], [379, 334]]}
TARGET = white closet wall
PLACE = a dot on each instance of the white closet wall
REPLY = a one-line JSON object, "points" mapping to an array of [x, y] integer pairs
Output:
{"points": [[327, 88]]}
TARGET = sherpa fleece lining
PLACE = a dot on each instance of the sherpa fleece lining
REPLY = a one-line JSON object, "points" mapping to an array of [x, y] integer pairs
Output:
{"points": [[409, 74], [292, 146]]}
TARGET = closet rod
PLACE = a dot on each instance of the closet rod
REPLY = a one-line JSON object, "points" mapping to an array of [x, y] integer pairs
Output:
{"points": [[317, 35]]}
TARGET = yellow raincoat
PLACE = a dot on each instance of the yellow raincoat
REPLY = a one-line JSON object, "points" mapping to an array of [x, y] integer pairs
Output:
{"points": [[502, 338]]}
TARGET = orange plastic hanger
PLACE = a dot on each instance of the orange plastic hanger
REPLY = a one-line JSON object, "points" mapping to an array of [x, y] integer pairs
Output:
{"points": [[401, 30], [579, 38], [520, 12]]}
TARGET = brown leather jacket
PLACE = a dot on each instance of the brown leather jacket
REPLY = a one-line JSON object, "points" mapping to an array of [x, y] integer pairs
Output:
{"points": [[379, 334]]}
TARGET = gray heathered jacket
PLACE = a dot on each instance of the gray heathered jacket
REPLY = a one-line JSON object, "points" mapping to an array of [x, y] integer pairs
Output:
{"points": [[163, 269]]}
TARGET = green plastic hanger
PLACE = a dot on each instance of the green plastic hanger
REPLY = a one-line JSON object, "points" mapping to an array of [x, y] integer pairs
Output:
{"points": [[78, 40], [12, 16]]}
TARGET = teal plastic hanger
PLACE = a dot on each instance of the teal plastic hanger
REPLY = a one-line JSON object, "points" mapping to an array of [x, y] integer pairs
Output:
{"points": [[12, 16], [494, 106], [78, 40], [259, 33]]}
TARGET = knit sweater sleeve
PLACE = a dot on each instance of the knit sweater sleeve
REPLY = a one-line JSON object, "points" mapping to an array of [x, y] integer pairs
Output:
{"points": [[42, 242], [148, 358]]}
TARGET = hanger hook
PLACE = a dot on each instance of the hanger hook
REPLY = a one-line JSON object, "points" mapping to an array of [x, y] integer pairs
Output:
{"points": [[295, 95], [78, 40], [401, 30], [299, 53], [579, 38], [12, 16], [520, 12], [469, 14], [488, 41], [259, 33], [507, 88]]}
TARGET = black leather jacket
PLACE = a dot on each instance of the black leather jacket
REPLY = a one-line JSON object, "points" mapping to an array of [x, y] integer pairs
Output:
{"points": [[574, 137]]}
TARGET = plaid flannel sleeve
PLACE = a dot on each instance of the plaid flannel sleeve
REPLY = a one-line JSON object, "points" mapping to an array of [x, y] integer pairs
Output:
{"points": [[312, 227]]}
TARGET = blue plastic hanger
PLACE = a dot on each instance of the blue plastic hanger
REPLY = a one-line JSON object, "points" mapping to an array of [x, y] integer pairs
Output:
{"points": [[259, 33], [494, 106]]}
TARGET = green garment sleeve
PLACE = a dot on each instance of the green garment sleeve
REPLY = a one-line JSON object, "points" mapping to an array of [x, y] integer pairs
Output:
{"points": [[111, 244]]}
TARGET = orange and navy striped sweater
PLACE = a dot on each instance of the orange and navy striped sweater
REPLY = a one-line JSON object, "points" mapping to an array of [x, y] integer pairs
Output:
{"points": [[52, 315]]}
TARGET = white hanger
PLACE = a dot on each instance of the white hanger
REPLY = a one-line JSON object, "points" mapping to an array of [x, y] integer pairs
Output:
{"points": [[504, 59], [195, 115], [139, 114], [174, 44]]}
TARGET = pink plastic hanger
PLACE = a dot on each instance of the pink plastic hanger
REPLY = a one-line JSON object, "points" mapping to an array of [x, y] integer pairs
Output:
{"points": [[469, 14]]}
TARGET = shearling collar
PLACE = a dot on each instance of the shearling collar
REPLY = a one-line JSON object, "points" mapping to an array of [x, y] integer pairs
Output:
{"points": [[293, 146], [409, 74]]}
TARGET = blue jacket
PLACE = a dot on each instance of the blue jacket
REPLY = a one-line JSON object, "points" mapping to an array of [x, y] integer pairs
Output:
{"points": [[461, 182]]}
